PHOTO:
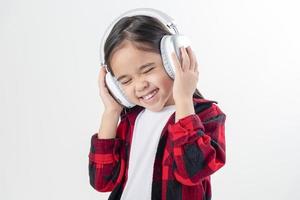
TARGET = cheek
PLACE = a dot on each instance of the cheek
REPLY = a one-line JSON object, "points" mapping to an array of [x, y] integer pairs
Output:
{"points": [[165, 81], [161, 80], [128, 90], [167, 85]]}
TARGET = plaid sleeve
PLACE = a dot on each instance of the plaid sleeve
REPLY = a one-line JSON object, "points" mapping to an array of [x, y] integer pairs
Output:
{"points": [[104, 163], [198, 146]]}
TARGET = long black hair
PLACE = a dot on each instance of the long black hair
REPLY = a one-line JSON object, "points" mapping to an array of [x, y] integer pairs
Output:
{"points": [[144, 32]]}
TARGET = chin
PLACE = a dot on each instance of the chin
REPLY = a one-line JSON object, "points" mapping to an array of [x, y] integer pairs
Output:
{"points": [[154, 109]]}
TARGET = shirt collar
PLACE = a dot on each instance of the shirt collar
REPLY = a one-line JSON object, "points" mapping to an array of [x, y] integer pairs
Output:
{"points": [[199, 105]]}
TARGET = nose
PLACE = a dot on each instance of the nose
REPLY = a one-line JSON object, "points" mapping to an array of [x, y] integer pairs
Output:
{"points": [[141, 85]]}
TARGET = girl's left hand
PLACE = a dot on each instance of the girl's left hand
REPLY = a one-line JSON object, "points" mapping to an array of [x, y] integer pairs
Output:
{"points": [[186, 75]]}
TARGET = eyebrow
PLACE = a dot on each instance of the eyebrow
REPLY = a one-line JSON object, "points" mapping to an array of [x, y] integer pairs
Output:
{"points": [[141, 67]]}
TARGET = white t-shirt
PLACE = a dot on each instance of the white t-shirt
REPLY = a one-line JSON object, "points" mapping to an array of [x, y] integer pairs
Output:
{"points": [[146, 133]]}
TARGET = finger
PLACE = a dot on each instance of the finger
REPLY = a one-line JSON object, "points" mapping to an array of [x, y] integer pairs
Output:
{"points": [[176, 63], [102, 84], [185, 61], [192, 58], [196, 67], [101, 74]]}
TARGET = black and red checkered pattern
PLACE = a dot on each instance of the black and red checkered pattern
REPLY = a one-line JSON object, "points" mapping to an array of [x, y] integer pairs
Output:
{"points": [[189, 151]]}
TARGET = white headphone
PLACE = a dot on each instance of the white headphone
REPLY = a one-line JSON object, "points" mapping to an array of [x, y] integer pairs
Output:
{"points": [[168, 45]]}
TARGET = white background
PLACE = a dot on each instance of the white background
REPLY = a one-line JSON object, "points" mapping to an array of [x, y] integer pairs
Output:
{"points": [[49, 104]]}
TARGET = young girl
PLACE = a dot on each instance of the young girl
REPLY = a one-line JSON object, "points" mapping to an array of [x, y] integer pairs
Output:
{"points": [[167, 146]]}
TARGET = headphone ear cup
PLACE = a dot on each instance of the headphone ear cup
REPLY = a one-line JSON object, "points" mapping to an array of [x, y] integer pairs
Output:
{"points": [[166, 49], [116, 91], [168, 45]]}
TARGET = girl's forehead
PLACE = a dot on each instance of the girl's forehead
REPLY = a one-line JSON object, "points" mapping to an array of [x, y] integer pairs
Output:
{"points": [[130, 58], [129, 49]]}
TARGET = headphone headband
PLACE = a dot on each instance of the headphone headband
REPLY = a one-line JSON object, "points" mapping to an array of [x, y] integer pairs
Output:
{"points": [[163, 17]]}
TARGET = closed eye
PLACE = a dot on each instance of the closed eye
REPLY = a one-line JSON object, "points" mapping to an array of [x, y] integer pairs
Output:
{"points": [[123, 83], [149, 70]]}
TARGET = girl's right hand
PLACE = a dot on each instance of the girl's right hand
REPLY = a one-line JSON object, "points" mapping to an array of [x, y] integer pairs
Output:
{"points": [[109, 102]]}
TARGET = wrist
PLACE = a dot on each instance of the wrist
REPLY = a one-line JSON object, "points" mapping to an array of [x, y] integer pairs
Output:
{"points": [[183, 109], [183, 101], [112, 112]]}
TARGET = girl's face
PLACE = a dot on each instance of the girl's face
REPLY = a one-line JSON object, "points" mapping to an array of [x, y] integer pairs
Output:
{"points": [[139, 74]]}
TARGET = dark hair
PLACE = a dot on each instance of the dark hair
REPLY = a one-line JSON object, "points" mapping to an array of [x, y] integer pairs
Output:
{"points": [[143, 31]]}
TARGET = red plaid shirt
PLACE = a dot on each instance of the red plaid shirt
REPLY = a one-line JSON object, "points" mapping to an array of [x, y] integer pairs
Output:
{"points": [[188, 152]]}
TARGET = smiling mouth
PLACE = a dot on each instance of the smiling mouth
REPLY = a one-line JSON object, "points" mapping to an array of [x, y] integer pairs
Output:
{"points": [[149, 96]]}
